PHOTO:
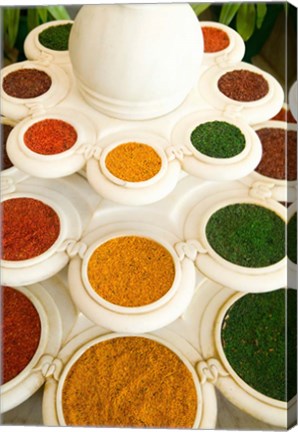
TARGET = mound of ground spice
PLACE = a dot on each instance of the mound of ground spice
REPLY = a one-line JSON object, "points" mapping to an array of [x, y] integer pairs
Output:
{"points": [[243, 85], [55, 37], [279, 158], [292, 239], [131, 271], [129, 382], [284, 115], [50, 136], [214, 39], [247, 235], [253, 336], [218, 139], [5, 161], [133, 162], [20, 330], [29, 228], [26, 83]]}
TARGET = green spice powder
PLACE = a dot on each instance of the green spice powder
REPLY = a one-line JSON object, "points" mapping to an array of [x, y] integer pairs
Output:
{"points": [[247, 235], [254, 341], [55, 37], [218, 139], [292, 239]]}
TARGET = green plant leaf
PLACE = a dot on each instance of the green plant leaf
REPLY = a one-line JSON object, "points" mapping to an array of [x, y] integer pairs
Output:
{"points": [[199, 8], [261, 13], [58, 12], [227, 13], [43, 14], [246, 19], [32, 18], [11, 26]]}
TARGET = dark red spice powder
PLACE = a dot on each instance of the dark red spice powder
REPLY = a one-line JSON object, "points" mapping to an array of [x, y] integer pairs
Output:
{"points": [[243, 85], [29, 228], [214, 39], [279, 157], [50, 136], [284, 115], [26, 83], [5, 161], [20, 329]]}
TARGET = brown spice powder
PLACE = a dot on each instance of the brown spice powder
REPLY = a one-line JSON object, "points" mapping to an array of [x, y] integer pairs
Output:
{"points": [[214, 39], [5, 161], [133, 162], [131, 271], [279, 153], [243, 85], [26, 83], [129, 382]]}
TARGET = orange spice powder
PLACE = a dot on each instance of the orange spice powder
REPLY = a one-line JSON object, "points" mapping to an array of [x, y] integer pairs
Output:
{"points": [[131, 271], [133, 162], [214, 39], [132, 382]]}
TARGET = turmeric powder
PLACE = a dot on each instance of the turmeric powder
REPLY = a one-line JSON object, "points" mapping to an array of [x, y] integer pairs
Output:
{"points": [[131, 271], [129, 382], [133, 162]]}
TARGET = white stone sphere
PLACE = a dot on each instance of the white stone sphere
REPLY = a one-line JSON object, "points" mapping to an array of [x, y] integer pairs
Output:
{"points": [[136, 61]]}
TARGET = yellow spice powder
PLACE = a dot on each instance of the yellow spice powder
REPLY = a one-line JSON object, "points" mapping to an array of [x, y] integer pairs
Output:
{"points": [[131, 271], [133, 162], [132, 382]]}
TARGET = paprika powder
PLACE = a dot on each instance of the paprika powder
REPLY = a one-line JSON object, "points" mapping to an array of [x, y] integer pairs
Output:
{"points": [[29, 228], [20, 330], [50, 136]]}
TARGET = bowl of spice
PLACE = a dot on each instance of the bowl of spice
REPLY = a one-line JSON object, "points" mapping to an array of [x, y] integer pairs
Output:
{"points": [[292, 244], [28, 87], [256, 353], [10, 175], [35, 233], [53, 144], [247, 334], [242, 238], [278, 165], [133, 168], [285, 115], [30, 328], [219, 146], [131, 280], [49, 41], [7, 126], [152, 383], [293, 99], [222, 44], [242, 90], [131, 273]]}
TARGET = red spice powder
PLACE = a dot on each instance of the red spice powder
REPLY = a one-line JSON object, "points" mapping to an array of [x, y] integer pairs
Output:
{"points": [[29, 228], [284, 115], [26, 83], [243, 85], [279, 159], [20, 329], [5, 161], [215, 39], [50, 136]]}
